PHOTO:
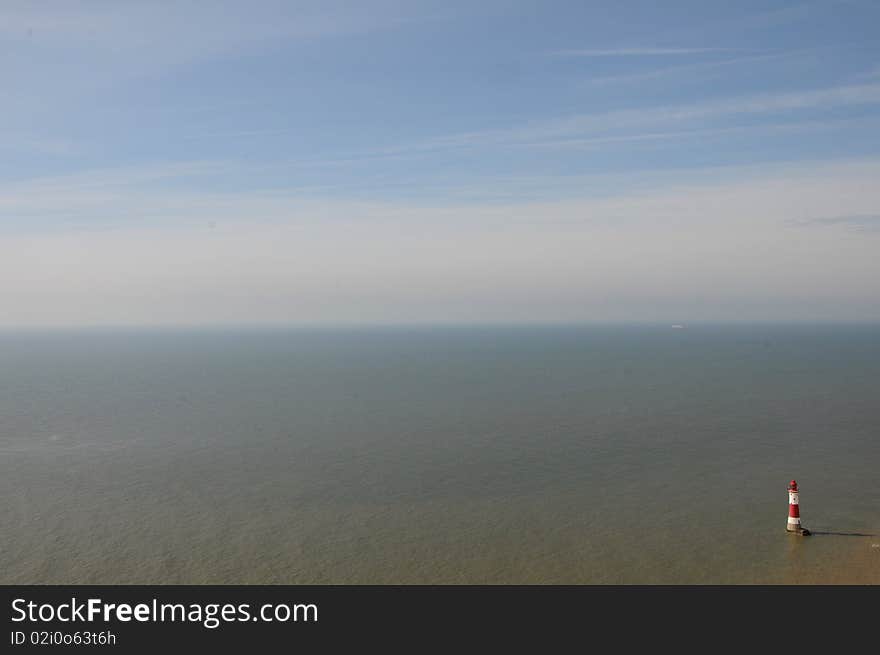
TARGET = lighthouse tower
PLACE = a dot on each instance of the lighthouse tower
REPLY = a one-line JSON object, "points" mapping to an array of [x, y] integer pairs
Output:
{"points": [[794, 511]]}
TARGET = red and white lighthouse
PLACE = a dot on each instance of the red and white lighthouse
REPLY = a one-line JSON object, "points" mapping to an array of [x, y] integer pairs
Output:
{"points": [[794, 511]]}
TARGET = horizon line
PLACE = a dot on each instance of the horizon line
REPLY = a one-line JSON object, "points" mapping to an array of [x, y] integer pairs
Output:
{"points": [[344, 325]]}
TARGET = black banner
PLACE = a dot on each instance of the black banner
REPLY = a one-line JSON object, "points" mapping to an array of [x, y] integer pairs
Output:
{"points": [[150, 618]]}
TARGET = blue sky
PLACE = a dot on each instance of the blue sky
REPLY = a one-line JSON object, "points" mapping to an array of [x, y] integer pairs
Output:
{"points": [[196, 162]]}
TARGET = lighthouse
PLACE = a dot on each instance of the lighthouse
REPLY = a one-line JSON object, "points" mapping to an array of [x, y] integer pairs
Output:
{"points": [[794, 511]]}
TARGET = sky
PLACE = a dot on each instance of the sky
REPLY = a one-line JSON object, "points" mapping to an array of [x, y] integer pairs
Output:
{"points": [[199, 163]]}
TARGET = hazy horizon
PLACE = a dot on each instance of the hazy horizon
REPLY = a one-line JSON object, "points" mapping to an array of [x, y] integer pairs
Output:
{"points": [[348, 326], [370, 163]]}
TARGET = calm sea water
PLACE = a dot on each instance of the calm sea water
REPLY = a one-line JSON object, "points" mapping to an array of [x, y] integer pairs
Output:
{"points": [[449, 455]]}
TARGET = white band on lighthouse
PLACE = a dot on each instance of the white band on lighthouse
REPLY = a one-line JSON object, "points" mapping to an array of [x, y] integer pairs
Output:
{"points": [[792, 498], [793, 520]]}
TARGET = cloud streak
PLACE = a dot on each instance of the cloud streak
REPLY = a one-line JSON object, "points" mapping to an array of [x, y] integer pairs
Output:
{"points": [[636, 52], [693, 71], [654, 123], [857, 222], [623, 120]]}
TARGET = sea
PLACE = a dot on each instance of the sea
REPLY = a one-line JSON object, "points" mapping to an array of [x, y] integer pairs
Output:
{"points": [[613, 454]]}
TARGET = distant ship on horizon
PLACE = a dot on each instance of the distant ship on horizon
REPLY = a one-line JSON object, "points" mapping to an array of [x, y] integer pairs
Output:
{"points": [[677, 326]]}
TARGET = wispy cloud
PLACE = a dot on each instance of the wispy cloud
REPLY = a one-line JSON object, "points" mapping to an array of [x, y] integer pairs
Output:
{"points": [[613, 123], [857, 222], [117, 196], [118, 176], [692, 70], [683, 136], [636, 52]]}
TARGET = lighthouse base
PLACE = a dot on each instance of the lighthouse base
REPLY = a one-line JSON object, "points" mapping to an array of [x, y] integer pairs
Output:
{"points": [[798, 530]]}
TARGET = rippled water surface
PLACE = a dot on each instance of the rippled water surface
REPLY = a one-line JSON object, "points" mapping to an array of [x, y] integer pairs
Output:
{"points": [[536, 455]]}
